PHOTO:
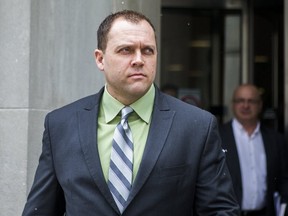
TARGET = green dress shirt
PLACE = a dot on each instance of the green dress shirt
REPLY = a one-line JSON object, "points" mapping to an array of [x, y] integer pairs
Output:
{"points": [[139, 122]]}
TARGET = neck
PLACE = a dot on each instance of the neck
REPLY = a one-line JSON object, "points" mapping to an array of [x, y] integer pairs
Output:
{"points": [[249, 126]]}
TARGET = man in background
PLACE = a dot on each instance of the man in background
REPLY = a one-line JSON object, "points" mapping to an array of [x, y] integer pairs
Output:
{"points": [[253, 154]]}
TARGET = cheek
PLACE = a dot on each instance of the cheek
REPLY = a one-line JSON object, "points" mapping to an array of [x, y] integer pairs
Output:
{"points": [[256, 111], [118, 64], [152, 67]]}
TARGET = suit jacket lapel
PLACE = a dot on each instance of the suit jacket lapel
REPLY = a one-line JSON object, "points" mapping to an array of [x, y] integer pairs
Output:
{"points": [[233, 159], [268, 143], [87, 119], [161, 122]]}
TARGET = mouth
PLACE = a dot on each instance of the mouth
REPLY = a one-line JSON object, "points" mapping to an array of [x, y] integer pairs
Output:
{"points": [[137, 75], [245, 113]]}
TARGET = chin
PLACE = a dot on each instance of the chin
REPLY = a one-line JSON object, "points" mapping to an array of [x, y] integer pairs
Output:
{"points": [[140, 88]]}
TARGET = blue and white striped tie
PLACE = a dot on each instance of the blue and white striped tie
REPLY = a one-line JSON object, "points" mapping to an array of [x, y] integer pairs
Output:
{"points": [[121, 164]]}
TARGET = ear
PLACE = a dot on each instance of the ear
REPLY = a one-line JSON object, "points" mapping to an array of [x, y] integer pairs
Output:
{"points": [[99, 58]]}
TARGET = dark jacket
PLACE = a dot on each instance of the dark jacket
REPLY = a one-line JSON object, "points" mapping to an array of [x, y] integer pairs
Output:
{"points": [[277, 173]]}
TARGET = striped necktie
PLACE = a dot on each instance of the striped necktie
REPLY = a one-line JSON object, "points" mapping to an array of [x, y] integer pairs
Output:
{"points": [[121, 163]]}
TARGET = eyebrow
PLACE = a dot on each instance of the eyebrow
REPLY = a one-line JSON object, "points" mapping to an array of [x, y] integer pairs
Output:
{"points": [[133, 45]]}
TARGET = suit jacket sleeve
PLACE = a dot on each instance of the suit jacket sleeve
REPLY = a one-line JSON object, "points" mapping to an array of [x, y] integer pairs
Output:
{"points": [[214, 186], [46, 195]]}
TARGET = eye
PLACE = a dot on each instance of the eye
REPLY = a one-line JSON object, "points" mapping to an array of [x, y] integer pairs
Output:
{"points": [[125, 50], [148, 51], [239, 101]]}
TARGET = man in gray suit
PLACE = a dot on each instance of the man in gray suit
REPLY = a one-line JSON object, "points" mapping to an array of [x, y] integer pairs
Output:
{"points": [[178, 164]]}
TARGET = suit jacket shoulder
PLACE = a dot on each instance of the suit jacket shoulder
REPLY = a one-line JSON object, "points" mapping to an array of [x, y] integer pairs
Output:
{"points": [[86, 103]]}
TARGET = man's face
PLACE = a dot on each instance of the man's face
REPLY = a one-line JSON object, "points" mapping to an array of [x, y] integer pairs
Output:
{"points": [[129, 61], [247, 104]]}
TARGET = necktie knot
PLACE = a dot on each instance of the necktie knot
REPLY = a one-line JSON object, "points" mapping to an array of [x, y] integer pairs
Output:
{"points": [[125, 112]]}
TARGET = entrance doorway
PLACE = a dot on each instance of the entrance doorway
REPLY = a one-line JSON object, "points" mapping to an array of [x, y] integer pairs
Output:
{"points": [[204, 51]]}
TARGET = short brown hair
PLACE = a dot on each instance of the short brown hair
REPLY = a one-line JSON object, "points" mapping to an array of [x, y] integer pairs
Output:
{"points": [[105, 26]]}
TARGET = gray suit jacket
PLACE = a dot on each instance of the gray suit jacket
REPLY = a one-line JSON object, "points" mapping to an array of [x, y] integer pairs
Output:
{"points": [[183, 170]]}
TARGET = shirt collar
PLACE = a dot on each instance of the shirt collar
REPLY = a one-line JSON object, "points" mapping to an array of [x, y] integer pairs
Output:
{"points": [[143, 106], [239, 126]]}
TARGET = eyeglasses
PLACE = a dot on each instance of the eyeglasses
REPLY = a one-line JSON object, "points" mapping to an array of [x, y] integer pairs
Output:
{"points": [[244, 101]]}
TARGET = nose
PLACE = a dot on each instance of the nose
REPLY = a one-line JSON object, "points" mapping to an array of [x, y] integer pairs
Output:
{"points": [[137, 59], [246, 103]]}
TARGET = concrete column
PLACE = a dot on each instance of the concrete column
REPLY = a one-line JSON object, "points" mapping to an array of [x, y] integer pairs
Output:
{"points": [[14, 103], [62, 67], [46, 61]]}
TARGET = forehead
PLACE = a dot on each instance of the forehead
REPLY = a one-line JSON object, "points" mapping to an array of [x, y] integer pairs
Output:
{"points": [[123, 29], [247, 92]]}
